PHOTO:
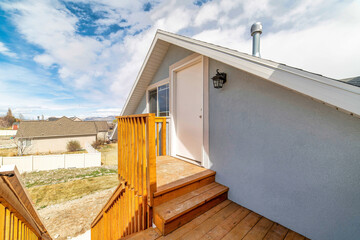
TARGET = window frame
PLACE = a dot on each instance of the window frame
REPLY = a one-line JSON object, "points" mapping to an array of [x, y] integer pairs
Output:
{"points": [[156, 86]]}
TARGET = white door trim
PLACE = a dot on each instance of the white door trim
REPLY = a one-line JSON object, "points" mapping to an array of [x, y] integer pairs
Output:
{"points": [[184, 63]]}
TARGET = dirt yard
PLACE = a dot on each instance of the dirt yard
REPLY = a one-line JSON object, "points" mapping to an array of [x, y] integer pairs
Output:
{"points": [[68, 200], [72, 218]]}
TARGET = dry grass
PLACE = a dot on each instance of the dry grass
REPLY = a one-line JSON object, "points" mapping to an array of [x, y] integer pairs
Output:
{"points": [[40, 178], [8, 152], [11, 152], [109, 154], [62, 192]]}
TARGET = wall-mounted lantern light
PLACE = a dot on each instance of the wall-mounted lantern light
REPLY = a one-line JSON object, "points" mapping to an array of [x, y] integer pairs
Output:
{"points": [[219, 79]]}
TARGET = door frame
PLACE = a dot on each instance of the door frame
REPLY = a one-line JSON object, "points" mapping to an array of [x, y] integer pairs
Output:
{"points": [[176, 67]]}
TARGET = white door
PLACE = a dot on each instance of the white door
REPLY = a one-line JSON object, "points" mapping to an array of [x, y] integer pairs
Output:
{"points": [[189, 111]]}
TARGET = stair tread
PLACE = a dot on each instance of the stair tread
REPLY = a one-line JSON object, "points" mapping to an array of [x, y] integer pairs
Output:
{"points": [[148, 234], [183, 182], [174, 208]]}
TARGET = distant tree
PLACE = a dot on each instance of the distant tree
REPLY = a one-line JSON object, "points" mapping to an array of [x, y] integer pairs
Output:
{"points": [[21, 117], [9, 118], [42, 117]]}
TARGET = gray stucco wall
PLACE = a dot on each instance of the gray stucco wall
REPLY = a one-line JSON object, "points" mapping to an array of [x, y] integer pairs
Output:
{"points": [[173, 55], [285, 156]]}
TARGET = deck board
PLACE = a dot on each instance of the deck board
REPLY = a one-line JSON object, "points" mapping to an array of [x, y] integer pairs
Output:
{"points": [[226, 221], [170, 169]]}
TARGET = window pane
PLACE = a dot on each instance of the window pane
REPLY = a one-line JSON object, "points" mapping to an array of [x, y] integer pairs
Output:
{"points": [[153, 101], [163, 92]]}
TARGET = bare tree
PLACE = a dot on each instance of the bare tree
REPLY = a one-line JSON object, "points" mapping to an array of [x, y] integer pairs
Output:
{"points": [[22, 144]]}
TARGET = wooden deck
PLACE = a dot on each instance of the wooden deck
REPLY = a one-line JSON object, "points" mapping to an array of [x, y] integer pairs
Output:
{"points": [[226, 221], [170, 169]]}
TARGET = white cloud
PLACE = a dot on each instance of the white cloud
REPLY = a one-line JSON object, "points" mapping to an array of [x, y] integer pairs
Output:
{"points": [[313, 35], [209, 12], [5, 51], [326, 48]]}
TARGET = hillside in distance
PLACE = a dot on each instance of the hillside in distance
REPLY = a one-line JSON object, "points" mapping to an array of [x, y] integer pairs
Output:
{"points": [[108, 118]]}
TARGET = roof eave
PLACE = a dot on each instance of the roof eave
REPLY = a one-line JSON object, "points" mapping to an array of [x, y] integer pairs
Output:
{"points": [[334, 93]]}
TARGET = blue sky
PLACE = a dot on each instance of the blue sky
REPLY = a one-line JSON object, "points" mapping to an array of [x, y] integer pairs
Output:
{"points": [[60, 57]]}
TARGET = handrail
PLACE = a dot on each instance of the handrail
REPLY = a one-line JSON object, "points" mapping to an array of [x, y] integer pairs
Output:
{"points": [[18, 217], [129, 209]]}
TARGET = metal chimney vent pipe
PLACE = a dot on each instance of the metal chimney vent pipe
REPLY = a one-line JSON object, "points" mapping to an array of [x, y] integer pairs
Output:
{"points": [[256, 30]]}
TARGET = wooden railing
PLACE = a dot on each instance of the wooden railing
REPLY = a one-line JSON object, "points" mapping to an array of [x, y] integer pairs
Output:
{"points": [[160, 136], [140, 139], [18, 217]]}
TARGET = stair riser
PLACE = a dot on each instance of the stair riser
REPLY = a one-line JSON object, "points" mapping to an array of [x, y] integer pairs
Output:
{"points": [[166, 228], [182, 190]]}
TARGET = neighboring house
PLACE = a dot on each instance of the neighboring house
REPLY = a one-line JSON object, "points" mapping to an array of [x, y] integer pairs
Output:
{"points": [[75, 119], [284, 140], [53, 136], [102, 129], [15, 126]]}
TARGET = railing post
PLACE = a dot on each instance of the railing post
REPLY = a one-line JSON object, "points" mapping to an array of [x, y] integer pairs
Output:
{"points": [[163, 137], [151, 157]]}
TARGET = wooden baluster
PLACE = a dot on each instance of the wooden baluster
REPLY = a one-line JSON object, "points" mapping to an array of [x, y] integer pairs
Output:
{"points": [[124, 149], [163, 137], [143, 175], [157, 136], [137, 209], [151, 158], [120, 148], [132, 169]]}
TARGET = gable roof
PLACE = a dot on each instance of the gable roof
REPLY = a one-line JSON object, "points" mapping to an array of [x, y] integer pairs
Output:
{"points": [[59, 128], [101, 126], [324, 89]]}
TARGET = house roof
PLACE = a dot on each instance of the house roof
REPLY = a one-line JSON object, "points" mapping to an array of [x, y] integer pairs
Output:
{"points": [[101, 126], [75, 118], [60, 128], [330, 91], [353, 81]]}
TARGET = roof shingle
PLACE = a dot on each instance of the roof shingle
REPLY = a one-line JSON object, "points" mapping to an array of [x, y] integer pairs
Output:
{"points": [[62, 127]]}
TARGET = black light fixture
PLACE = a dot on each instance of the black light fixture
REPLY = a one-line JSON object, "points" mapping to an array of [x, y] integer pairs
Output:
{"points": [[219, 79]]}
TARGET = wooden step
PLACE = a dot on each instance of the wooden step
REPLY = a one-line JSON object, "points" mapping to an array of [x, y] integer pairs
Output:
{"points": [[183, 186], [148, 234], [177, 212]]}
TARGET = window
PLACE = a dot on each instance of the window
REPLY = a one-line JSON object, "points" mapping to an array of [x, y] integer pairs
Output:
{"points": [[159, 100], [26, 142]]}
